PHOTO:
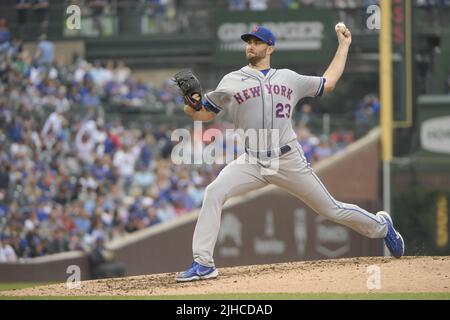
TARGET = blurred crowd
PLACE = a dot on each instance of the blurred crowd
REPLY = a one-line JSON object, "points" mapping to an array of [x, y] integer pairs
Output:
{"points": [[367, 114], [319, 144], [433, 3], [259, 5], [297, 4], [164, 15], [88, 85], [68, 183]]}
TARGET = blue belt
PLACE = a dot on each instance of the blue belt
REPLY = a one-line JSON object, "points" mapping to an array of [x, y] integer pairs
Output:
{"points": [[283, 150]]}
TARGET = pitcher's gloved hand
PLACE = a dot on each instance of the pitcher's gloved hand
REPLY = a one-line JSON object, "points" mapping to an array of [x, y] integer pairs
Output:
{"points": [[189, 85]]}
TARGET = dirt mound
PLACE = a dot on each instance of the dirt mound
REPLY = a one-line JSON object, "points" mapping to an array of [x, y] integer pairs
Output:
{"points": [[408, 274]]}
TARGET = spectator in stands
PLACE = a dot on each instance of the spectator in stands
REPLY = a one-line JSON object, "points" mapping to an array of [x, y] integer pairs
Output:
{"points": [[237, 5], [375, 104], [4, 172], [165, 211], [45, 53], [82, 221], [85, 146], [306, 115], [258, 5], [81, 70], [102, 261], [345, 4], [74, 95], [97, 73], [33, 245], [367, 113], [3, 204], [307, 3], [108, 72], [90, 95], [75, 242], [4, 35], [58, 243], [122, 72], [124, 161], [7, 253], [54, 123], [133, 94], [151, 217], [340, 139], [100, 170], [291, 4], [140, 88], [430, 3], [184, 198], [367, 3], [166, 92], [298, 4], [323, 149], [147, 149], [308, 143], [51, 224]]}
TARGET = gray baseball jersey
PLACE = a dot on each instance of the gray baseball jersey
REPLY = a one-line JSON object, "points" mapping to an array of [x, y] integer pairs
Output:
{"points": [[255, 101], [258, 101]]}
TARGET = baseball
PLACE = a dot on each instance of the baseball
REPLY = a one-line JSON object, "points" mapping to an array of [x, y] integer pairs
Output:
{"points": [[341, 27]]}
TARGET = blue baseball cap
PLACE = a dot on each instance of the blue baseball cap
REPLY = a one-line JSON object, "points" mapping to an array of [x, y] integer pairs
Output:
{"points": [[262, 33]]}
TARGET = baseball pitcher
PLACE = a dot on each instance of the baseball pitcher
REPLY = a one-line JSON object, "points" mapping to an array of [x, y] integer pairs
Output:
{"points": [[258, 97]]}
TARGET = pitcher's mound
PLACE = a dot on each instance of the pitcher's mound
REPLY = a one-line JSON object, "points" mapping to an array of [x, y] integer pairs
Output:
{"points": [[354, 275]]}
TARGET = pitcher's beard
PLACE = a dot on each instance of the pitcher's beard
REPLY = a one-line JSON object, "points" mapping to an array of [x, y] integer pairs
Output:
{"points": [[254, 60]]}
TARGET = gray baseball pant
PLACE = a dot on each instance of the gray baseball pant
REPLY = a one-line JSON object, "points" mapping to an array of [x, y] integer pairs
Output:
{"points": [[296, 177]]}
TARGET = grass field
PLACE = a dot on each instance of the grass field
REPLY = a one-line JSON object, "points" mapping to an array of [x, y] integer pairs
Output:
{"points": [[21, 285], [259, 296]]}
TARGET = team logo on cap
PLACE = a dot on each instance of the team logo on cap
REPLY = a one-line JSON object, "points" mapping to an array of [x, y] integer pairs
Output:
{"points": [[255, 29]]}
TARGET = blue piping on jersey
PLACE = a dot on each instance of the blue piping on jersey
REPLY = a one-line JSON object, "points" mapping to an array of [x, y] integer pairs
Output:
{"points": [[262, 93], [272, 100], [338, 205], [320, 89], [209, 106], [214, 105], [212, 102]]}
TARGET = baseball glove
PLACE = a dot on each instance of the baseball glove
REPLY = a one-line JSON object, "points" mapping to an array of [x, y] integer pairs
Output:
{"points": [[189, 84]]}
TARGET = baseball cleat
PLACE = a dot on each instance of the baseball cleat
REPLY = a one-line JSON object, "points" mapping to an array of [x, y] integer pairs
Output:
{"points": [[197, 272], [393, 240]]}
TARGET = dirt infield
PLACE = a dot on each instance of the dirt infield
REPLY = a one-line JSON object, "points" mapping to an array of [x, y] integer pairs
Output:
{"points": [[405, 275]]}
